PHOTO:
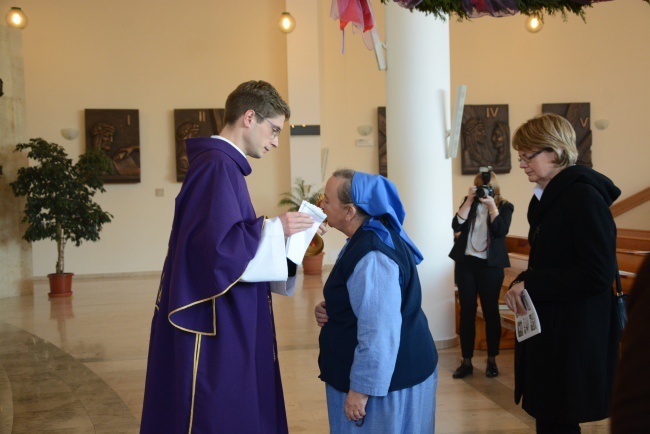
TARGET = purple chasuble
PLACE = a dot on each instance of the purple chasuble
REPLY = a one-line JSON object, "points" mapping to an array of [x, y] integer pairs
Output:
{"points": [[213, 364]]}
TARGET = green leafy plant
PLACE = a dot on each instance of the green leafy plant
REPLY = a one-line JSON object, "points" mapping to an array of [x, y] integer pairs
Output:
{"points": [[298, 193], [442, 8], [60, 204]]}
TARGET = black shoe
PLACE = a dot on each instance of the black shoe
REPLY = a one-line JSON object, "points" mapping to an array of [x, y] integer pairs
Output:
{"points": [[463, 370], [491, 370]]}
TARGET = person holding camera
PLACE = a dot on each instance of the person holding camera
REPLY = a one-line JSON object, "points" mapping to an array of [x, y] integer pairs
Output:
{"points": [[480, 228]]}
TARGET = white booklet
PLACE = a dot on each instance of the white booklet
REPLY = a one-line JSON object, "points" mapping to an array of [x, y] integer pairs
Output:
{"points": [[297, 243], [528, 323]]}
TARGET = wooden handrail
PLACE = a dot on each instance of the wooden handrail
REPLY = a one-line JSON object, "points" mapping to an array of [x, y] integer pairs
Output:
{"points": [[633, 252], [640, 234], [633, 239], [630, 202]]}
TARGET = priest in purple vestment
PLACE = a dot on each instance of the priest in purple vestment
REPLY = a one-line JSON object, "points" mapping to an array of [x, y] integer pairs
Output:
{"points": [[213, 363]]}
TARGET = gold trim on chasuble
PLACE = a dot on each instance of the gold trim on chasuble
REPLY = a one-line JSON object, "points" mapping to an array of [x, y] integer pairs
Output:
{"points": [[195, 370], [197, 345], [214, 312]]}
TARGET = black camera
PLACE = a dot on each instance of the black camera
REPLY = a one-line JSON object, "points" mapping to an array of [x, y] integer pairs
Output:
{"points": [[485, 190]]}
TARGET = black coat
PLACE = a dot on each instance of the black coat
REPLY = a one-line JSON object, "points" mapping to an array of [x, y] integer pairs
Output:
{"points": [[565, 373], [497, 253], [631, 395]]}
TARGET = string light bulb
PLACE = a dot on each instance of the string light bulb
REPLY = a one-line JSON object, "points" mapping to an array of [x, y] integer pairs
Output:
{"points": [[534, 23], [287, 22], [16, 18]]}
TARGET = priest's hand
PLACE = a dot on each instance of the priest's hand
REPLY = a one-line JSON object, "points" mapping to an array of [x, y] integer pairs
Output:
{"points": [[321, 314], [355, 405], [294, 222], [322, 229], [513, 299]]}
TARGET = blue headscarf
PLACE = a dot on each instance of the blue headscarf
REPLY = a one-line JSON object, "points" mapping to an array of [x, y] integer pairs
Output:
{"points": [[378, 196]]}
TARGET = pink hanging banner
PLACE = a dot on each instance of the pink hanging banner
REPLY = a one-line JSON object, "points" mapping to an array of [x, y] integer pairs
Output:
{"points": [[357, 12]]}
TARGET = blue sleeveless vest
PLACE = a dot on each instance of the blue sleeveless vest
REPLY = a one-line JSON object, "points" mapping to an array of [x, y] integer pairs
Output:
{"points": [[417, 356]]}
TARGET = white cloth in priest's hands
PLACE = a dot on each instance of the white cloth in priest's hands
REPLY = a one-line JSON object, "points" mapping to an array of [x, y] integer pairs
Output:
{"points": [[269, 263], [297, 243]]}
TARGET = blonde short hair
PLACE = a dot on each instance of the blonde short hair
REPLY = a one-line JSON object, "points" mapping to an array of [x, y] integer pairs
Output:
{"points": [[550, 132]]}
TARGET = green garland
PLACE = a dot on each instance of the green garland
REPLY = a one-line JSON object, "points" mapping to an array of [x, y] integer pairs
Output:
{"points": [[442, 8]]}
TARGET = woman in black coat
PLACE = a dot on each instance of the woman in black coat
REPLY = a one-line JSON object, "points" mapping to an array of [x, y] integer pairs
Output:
{"points": [[480, 228], [564, 374]]}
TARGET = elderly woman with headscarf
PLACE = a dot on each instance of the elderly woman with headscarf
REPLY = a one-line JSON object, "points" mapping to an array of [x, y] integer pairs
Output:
{"points": [[377, 355], [564, 374]]}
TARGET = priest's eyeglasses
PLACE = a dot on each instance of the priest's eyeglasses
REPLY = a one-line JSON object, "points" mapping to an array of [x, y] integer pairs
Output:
{"points": [[276, 129], [528, 159]]}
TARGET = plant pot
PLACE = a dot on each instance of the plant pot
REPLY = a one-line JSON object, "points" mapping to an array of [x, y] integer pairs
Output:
{"points": [[60, 284], [313, 264]]}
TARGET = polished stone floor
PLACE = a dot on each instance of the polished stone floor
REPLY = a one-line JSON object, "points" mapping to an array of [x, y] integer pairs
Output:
{"points": [[77, 365]]}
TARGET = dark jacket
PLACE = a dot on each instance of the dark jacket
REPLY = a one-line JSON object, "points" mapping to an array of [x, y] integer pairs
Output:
{"points": [[631, 395], [417, 357], [497, 253], [565, 373]]}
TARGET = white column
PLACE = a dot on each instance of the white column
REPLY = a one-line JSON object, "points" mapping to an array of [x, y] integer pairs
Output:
{"points": [[417, 91], [303, 72], [15, 254]]}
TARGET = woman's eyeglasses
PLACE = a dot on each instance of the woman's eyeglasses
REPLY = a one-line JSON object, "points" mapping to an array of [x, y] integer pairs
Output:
{"points": [[528, 159]]}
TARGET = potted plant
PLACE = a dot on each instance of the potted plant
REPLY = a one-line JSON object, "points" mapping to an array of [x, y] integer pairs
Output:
{"points": [[60, 204], [312, 263]]}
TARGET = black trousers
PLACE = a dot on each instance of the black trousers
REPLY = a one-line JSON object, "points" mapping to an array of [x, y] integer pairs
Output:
{"points": [[474, 278], [546, 427]]}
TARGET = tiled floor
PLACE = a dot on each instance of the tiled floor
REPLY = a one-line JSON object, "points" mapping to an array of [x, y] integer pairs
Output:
{"points": [[78, 365]]}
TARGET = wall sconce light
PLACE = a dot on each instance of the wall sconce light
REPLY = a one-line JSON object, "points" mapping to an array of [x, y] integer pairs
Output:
{"points": [[70, 133], [287, 22], [364, 130], [16, 18], [534, 23], [602, 124]]}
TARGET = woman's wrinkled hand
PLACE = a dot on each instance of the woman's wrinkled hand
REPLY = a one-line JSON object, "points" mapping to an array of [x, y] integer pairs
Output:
{"points": [[513, 299], [355, 405], [321, 314]]}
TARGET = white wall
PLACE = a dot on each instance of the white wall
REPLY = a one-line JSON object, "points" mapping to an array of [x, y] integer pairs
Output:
{"points": [[155, 57], [167, 54], [604, 61]]}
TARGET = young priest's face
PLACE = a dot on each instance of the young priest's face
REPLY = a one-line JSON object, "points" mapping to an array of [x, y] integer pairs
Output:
{"points": [[263, 134]]}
